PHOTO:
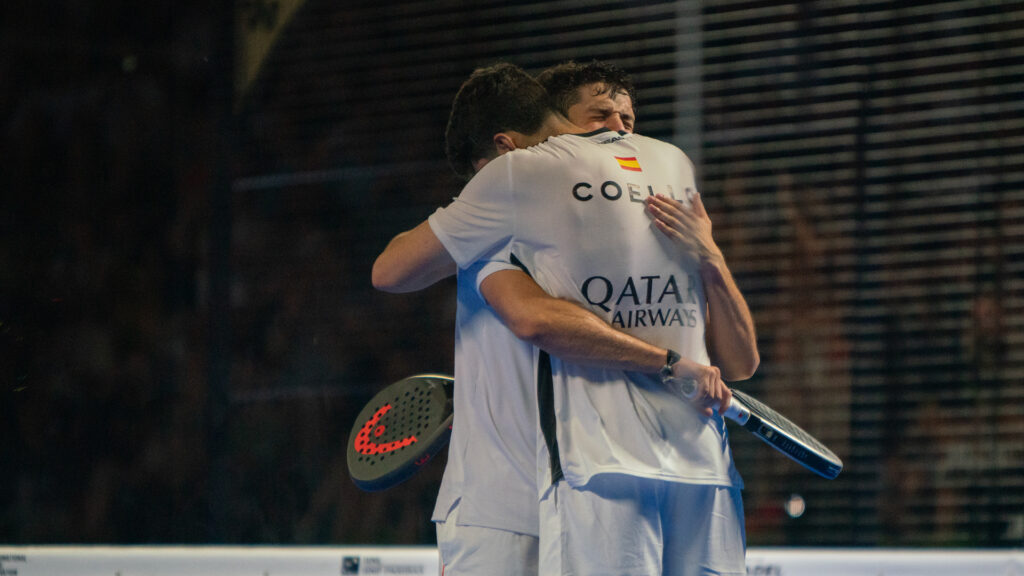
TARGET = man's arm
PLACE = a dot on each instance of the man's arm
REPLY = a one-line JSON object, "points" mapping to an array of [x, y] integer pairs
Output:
{"points": [[476, 222], [731, 339], [563, 328], [412, 261], [732, 342], [574, 334]]}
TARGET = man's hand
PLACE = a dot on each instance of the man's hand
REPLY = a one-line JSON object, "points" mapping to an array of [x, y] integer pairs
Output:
{"points": [[688, 228], [731, 340], [708, 389]]}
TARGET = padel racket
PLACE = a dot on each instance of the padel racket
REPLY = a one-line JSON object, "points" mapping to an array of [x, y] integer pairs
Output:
{"points": [[400, 430], [783, 435]]}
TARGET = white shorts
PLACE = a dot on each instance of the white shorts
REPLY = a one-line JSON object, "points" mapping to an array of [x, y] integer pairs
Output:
{"points": [[621, 525], [478, 551]]}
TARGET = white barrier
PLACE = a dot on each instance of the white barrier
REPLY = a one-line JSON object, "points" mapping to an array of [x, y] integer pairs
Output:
{"points": [[216, 561], [883, 562], [422, 561]]}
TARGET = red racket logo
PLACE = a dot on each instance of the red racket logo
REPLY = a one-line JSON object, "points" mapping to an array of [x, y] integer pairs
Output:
{"points": [[364, 445]]}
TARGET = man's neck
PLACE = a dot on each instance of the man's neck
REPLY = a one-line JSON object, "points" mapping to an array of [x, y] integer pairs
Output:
{"points": [[554, 125]]}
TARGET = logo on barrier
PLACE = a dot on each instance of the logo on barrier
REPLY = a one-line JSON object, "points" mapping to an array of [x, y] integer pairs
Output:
{"points": [[9, 558], [357, 565]]}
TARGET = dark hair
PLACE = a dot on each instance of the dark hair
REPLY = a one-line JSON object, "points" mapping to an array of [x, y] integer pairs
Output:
{"points": [[562, 82], [494, 99]]}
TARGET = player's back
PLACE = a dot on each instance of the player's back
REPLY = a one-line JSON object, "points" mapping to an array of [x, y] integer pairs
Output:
{"points": [[583, 232], [573, 211], [582, 229]]}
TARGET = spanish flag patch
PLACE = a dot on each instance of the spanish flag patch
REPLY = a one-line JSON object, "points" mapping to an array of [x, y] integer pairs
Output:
{"points": [[628, 163]]}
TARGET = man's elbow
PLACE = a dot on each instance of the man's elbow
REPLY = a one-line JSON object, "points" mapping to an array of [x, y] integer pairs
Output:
{"points": [[528, 328], [743, 368], [384, 277]]}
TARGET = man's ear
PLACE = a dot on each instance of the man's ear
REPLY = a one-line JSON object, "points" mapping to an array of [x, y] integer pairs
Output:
{"points": [[479, 164], [504, 143]]}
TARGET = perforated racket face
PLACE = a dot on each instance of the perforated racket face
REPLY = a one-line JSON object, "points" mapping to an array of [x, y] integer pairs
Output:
{"points": [[399, 430], [786, 437]]}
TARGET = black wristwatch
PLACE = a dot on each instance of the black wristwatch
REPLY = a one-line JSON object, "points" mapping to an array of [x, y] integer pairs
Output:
{"points": [[687, 387], [670, 358]]}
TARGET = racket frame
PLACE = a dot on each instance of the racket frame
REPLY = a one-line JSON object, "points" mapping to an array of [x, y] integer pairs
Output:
{"points": [[819, 460], [400, 463]]}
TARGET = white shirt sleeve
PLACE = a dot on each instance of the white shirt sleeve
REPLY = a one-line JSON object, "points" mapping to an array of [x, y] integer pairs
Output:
{"points": [[481, 218], [484, 267]]}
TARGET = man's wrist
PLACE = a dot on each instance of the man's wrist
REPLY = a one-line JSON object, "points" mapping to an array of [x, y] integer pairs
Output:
{"points": [[712, 269], [685, 387], [712, 256]]}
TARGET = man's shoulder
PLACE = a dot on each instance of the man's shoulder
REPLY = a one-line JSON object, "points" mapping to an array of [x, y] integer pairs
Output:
{"points": [[668, 150], [642, 140], [606, 137], [576, 144]]}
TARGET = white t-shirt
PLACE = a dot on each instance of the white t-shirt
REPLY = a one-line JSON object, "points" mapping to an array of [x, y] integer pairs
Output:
{"points": [[572, 211], [492, 451]]}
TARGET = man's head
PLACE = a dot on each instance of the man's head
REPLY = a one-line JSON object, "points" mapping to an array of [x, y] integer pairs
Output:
{"points": [[493, 112], [592, 96]]}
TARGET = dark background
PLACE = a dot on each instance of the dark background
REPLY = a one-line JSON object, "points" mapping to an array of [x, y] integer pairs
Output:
{"points": [[187, 327]]}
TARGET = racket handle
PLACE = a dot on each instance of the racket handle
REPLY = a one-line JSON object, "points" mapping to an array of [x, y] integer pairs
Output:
{"points": [[687, 388], [737, 412]]}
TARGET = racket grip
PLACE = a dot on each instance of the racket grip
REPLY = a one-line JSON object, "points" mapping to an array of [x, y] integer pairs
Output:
{"points": [[737, 412]]}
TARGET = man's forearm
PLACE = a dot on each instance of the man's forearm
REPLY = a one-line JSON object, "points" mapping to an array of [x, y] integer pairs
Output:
{"points": [[731, 341], [565, 329], [413, 260], [731, 338], [576, 335]]}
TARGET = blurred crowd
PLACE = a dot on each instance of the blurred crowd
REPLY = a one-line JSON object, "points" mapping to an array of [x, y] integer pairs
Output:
{"points": [[105, 247]]}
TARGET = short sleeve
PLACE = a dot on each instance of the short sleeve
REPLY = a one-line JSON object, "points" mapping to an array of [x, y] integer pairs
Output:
{"points": [[495, 261], [481, 218]]}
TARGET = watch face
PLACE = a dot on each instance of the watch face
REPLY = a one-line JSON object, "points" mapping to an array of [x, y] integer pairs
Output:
{"points": [[688, 387]]}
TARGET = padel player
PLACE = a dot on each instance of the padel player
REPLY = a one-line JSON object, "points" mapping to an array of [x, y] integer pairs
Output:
{"points": [[486, 511], [650, 459]]}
